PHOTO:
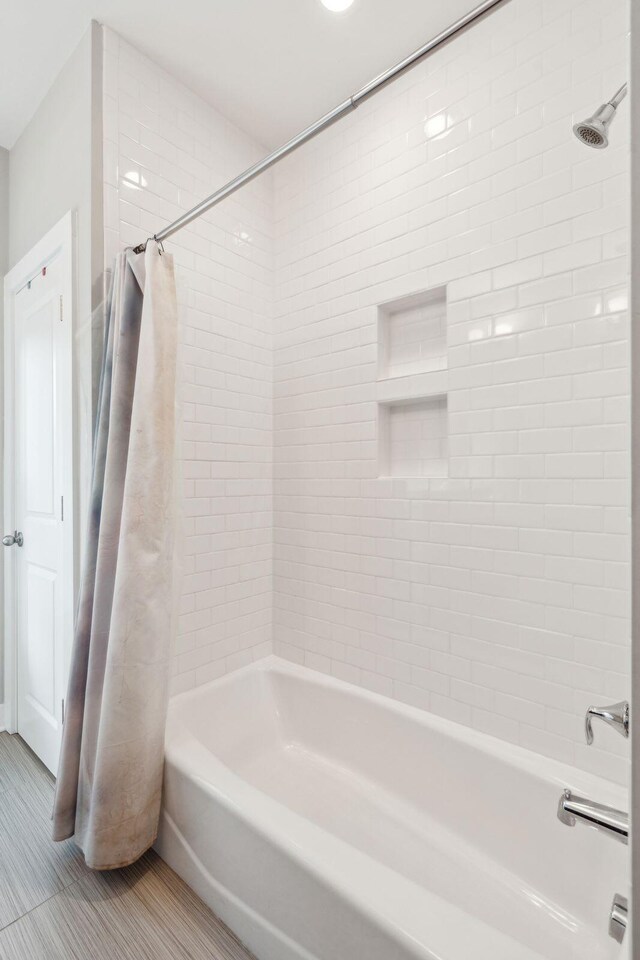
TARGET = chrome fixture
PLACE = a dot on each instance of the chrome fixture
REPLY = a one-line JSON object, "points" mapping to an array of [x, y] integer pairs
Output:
{"points": [[594, 130], [618, 917], [617, 716], [572, 808], [11, 538], [371, 88]]}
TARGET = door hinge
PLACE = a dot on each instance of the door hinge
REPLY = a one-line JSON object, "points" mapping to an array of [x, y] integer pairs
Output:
{"points": [[62, 508], [60, 307], [63, 711]]}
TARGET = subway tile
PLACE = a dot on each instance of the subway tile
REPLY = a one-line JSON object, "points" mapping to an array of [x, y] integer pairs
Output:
{"points": [[498, 595]]}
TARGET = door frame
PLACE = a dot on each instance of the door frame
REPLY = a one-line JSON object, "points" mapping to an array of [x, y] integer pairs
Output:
{"points": [[59, 243]]}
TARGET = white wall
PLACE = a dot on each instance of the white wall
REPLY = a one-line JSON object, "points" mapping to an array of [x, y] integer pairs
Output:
{"points": [[164, 150], [635, 457], [51, 165], [4, 209], [4, 266], [54, 167], [499, 596]]}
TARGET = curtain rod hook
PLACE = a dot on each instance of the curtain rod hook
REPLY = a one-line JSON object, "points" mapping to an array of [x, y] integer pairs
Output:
{"points": [[160, 245]]}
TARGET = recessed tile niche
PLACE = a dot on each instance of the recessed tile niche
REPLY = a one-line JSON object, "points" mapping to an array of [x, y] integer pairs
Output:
{"points": [[412, 386], [413, 438], [412, 334]]}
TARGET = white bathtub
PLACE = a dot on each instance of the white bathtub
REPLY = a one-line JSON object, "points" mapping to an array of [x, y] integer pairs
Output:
{"points": [[322, 821]]}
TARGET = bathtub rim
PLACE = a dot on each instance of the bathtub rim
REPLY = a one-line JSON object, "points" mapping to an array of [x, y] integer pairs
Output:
{"points": [[525, 760]]}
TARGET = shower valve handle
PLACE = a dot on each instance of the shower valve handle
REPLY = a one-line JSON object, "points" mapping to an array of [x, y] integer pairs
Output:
{"points": [[616, 715]]}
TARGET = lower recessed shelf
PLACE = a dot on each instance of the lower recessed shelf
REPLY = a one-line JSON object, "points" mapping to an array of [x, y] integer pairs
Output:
{"points": [[413, 438]]}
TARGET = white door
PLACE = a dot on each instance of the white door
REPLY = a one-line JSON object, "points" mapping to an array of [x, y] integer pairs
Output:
{"points": [[39, 501]]}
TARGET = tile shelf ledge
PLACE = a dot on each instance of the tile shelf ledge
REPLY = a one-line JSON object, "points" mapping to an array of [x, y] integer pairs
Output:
{"points": [[415, 386]]}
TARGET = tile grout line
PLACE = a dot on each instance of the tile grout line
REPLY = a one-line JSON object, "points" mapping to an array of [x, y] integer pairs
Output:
{"points": [[37, 906]]}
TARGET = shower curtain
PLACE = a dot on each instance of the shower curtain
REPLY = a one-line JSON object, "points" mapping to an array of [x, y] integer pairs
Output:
{"points": [[110, 771]]}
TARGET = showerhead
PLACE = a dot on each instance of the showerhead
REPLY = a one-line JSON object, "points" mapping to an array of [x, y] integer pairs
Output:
{"points": [[594, 131]]}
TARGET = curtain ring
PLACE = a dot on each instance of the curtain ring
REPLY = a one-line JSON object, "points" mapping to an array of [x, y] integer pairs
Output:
{"points": [[160, 245]]}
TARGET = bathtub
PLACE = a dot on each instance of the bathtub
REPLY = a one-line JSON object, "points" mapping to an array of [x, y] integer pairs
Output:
{"points": [[323, 822]]}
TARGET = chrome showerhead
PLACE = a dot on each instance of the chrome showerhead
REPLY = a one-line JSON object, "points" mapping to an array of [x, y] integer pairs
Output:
{"points": [[594, 131]]}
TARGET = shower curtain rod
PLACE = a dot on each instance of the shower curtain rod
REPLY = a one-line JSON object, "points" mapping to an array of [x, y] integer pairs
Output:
{"points": [[329, 118]]}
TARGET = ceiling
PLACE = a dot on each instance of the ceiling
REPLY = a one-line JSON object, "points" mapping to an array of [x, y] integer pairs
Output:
{"points": [[271, 66]]}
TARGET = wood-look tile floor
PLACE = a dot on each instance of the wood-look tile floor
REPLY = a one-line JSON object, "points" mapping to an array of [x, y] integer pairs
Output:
{"points": [[53, 908]]}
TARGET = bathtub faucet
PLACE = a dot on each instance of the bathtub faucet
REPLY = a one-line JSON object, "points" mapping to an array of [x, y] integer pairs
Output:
{"points": [[572, 808]]}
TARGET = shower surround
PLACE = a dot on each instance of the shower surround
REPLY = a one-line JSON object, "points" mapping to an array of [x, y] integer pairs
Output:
{"points": [[163, 148], [496, 594]]}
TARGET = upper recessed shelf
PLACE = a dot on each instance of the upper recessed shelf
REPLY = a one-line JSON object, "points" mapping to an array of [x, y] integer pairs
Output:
{"points": [[412, 334]]}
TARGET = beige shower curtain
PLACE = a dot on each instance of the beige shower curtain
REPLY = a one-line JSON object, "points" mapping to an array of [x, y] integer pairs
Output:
{"points": [[110, 772]]}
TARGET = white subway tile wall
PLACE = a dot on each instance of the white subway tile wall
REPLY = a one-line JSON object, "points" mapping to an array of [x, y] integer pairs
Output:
{"points": [[498, 596], [164, 150]]}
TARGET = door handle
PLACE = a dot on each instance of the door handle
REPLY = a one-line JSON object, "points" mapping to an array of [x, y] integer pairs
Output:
{"points": [[11, 538]]}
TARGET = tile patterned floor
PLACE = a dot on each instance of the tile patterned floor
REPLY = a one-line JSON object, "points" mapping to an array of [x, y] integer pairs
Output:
{"points": [[53, 908]]}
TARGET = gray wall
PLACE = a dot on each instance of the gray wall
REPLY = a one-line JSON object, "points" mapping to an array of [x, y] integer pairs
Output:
{"points": [[4, 210], [56, 166], [51, 165], [635, 479], [4, 265]]}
